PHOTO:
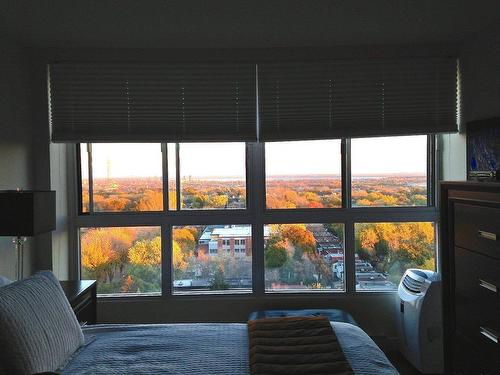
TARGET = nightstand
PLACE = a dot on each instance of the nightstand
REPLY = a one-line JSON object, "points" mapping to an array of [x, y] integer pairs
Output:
{"points": [[82, 296]]}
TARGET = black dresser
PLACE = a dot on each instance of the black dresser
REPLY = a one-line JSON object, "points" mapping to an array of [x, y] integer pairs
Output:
{"points": [[470, 238]]}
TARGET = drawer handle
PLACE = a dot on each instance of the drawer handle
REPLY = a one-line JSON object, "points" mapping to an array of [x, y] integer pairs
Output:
{"points": [[489, 334], [487, 235], [487, 285]]}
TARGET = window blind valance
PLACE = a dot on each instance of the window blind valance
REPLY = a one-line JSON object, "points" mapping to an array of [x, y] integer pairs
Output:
{"points": [[146, 102], [125, 102], [347, 98]]}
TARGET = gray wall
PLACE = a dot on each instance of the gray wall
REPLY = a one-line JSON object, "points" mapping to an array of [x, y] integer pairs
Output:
{"points": [[480, 62], [27, 160], [374, 312], [480, 95], [16, 143]]}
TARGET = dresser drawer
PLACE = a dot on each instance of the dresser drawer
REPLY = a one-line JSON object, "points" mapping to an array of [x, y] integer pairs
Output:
{"points": [[468, 360], [477, 276], [479, 323], [478, 228]]}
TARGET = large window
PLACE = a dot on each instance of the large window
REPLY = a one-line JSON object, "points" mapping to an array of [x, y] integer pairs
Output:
{"points": [[303, 256], [123, 259], [389, 171], [212, 175], [303, 174], [212, 258], [385, 250], [126, 177], [329, 216]]}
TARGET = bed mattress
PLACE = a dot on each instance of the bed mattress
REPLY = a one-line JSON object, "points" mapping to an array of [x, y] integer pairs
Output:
{"points": [[202, 348]]}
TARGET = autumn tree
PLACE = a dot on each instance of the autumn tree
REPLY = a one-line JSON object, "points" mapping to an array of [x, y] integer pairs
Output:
{"points": [[201, 200], [152, 200], [105, 249], [121, 241], [219, 201], [179, 262], [394, 247], [299, 237], [146, 252], [185, 238], [97, 253]]}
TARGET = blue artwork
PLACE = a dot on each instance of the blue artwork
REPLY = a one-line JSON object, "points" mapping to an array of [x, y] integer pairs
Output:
{"points": [[483, 145]]}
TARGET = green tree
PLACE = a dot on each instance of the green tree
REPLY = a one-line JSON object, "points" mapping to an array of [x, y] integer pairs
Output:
{"points": [[275, 253], [218, 282]]}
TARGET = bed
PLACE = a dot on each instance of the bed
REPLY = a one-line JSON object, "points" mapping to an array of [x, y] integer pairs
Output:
{"points": [[40, 333], [212, 348]]}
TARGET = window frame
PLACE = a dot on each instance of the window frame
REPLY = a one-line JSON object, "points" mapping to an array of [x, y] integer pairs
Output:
{"points": [[256, 214]]}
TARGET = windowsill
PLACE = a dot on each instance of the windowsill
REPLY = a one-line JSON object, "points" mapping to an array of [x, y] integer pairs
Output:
{"points": [[245, 294]]}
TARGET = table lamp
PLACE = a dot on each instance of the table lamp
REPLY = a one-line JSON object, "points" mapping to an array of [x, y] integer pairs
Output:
{"points": [[26, 213]]}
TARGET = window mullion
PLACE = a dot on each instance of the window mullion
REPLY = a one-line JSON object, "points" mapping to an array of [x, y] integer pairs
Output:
{"points": [[346, 173], [164, 161], [257, 200], [91, 179], [177, 177], [349, 257], [166, 259], [431, 170]]}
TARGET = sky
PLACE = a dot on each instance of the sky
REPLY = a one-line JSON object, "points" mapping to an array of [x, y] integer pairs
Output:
{"points": [[370, 156]]}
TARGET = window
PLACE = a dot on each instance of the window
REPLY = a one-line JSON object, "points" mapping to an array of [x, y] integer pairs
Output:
{"points": [[384, 251], [213, 176], [199, 266], [123, 259], [126, 177], [390, 171], [328, 216], [303, 174], [303, 256]]}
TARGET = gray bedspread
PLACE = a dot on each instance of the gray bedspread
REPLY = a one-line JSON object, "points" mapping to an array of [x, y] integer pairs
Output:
{"points": [[204, 349]]}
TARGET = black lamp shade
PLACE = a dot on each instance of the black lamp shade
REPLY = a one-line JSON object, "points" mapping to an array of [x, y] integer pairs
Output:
{"points": [[27, 213]]}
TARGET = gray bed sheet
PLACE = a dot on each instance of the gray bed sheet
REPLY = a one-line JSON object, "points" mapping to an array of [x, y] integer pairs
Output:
{"points": [[201, 348]]}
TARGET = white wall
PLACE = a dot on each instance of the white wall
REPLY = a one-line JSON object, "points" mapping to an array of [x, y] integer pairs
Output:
{"points": [[16, 166], [453, 157]]}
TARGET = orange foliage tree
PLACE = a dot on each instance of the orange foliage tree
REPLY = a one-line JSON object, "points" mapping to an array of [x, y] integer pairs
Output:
{"points": [[152, 200], [105, 249]]}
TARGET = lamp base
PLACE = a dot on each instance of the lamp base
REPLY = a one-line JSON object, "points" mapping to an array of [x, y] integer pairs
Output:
{"points": [[19, 245]]}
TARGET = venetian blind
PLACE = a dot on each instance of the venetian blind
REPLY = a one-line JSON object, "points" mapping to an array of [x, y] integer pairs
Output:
{"points": [[357, 98], [131, 102]]}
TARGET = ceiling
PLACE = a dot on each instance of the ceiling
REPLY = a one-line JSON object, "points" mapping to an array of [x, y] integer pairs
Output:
{"points": [[238, 23]]}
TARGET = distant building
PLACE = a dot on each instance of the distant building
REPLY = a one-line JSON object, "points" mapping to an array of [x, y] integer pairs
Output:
{"points": [[327, 244], [235, 240]]}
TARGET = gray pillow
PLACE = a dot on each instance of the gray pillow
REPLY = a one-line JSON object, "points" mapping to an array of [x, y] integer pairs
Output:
{"points": [[4, 281], [38, 329]]}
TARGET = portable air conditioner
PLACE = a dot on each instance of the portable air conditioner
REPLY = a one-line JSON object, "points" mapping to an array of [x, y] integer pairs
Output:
{"points": [[420, 320]]}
